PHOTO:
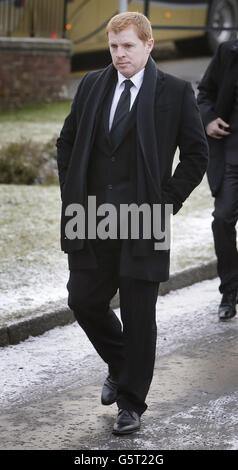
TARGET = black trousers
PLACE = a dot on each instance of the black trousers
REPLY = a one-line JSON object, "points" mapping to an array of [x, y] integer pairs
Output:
{"points": [[127, 346], [224, 231]]}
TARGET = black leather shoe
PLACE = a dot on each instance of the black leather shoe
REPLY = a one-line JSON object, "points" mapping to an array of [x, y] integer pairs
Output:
{"points": [[109, 391], [126, 422], [227, 308]]}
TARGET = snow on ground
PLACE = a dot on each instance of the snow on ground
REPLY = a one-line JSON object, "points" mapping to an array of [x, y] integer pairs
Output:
{"points": [[30, 286], [202, 426], [14, 132], [60, 358]]}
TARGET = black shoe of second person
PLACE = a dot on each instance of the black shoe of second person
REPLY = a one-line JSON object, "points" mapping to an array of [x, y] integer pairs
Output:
{"points": [[227, 307], [109, 391]]}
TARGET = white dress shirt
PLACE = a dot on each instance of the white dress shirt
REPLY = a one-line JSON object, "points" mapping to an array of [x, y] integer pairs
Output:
{"points": [[137, 80]]}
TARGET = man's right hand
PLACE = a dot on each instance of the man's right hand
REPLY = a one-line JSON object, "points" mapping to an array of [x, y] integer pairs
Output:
{"points": [[216, 129]]}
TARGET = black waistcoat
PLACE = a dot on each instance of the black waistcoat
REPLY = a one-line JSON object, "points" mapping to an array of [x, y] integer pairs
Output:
{"points": [[112, 170]]}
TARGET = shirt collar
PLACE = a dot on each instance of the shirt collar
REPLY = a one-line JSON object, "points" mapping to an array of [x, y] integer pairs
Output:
{"points": [[137, 79]]}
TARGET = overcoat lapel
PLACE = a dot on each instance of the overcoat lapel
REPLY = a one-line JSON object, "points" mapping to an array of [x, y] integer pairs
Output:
{"points": [[152, 87], [148, 169], [85, 134], [106, 111], [94, 101], [77, 172]]}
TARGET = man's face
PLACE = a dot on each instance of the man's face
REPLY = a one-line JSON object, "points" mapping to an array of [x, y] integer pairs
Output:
{"points": [[129, 53]]}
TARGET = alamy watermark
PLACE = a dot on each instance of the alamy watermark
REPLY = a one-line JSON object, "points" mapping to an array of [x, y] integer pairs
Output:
{"points": [[132, 222]]}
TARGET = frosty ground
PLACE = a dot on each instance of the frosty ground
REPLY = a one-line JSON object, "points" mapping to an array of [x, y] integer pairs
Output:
{"points": [[50, 385]]}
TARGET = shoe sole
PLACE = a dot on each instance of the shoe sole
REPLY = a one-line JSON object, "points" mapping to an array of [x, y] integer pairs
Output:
{"points": [[120, 433], [226, 319], [108, 403]]}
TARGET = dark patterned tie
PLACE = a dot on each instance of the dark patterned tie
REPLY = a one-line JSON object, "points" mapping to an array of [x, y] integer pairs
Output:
{"points": [[121, 113]]}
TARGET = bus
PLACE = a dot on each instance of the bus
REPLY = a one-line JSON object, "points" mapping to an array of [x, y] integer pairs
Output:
{"points": [[188, 23]]}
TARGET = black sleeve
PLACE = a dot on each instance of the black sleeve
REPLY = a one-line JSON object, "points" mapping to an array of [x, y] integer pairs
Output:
{"points": [[65, 142], [208, 89], [193, 155]]}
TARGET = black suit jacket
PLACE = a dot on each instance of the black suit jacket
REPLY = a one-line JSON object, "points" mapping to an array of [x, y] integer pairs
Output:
{"points": [[167, 117], [215, 99]]}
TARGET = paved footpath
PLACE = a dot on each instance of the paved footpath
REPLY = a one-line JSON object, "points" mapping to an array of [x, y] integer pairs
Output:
{"points": [[192, 402]]}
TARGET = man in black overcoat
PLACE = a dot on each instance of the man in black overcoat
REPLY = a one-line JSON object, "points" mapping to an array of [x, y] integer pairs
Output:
{"points": [[118, 145], [218, 102]]}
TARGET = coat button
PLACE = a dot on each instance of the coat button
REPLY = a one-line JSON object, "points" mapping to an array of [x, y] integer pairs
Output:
{"points": [[109, 186]]}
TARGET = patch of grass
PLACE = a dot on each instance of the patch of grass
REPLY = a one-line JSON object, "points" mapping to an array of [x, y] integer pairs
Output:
{"points": [[28, 162], [54, 112]]}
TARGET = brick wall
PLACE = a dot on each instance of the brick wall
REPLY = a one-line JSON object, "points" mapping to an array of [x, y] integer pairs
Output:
{"points": [[33, 70]]}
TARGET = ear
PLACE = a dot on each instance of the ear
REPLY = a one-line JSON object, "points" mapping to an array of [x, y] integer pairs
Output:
{"points": [[150, 45]]}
